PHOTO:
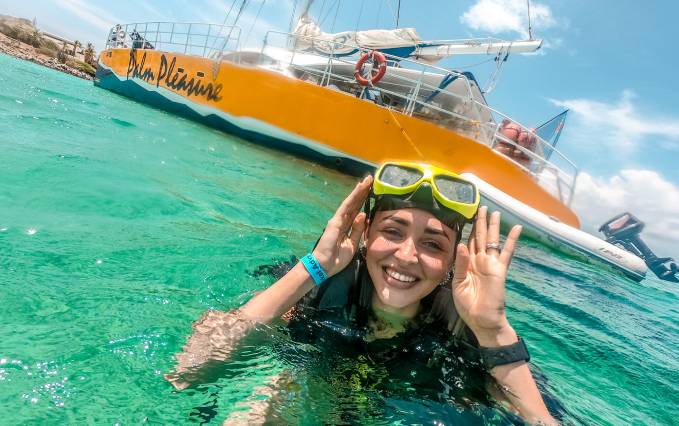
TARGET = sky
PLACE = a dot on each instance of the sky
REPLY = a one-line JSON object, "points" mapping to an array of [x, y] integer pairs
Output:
{"points": [[609, 62]]}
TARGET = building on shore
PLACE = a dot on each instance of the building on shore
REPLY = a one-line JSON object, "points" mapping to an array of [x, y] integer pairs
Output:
{"points": [[76, 51]]}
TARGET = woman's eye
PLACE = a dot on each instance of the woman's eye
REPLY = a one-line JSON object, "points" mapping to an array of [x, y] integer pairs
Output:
{"points": [[433, 245], [392, 232]]}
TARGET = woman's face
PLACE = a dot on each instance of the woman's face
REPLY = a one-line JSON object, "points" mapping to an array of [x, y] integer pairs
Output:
{"points": [[409, 252]]}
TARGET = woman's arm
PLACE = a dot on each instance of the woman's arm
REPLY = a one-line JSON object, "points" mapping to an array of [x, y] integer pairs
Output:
{"points": [[217, 334], [335, 249], [215, 337], [279, 297], [479, 297], [516, 381]]}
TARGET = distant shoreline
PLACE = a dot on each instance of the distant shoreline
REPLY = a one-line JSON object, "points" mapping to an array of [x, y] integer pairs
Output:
{"points": [[21, 50]]}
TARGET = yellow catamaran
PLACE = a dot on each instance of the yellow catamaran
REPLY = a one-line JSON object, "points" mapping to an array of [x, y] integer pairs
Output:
{"points": [[303, 92]]}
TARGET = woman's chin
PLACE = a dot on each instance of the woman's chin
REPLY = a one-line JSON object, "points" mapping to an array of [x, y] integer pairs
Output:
{"points": [[394, 297]]}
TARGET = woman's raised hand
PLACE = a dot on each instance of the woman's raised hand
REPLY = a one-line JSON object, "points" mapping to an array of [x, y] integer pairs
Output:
{"points": [[341, 237], [479, 280]]}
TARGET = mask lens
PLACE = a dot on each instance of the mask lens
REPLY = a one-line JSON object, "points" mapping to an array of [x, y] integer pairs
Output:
{"points": [[455, 190], [400, 176]]}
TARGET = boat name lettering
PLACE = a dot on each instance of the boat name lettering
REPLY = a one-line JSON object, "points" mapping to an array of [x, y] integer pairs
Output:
{"points": [[173, 76], [616, 255], [179, 81], [137, 69]]}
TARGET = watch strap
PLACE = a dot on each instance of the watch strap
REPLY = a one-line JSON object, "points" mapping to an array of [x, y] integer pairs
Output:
{"points": [[502, 355]]}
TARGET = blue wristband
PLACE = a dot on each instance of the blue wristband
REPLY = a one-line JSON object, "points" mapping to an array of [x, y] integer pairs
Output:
{"points": [[314, 268]]}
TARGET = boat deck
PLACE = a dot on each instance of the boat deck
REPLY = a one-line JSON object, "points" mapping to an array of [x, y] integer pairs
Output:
{"points": [[447, 98]]}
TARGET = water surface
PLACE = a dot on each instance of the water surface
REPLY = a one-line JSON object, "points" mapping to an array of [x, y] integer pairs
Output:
{"points": [[120, 224]]}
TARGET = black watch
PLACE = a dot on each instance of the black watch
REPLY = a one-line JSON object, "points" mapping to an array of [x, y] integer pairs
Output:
{"points": [[501, 355]]}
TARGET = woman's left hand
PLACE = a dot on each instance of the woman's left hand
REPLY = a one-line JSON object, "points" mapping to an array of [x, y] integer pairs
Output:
{"points": [[479, 280]]}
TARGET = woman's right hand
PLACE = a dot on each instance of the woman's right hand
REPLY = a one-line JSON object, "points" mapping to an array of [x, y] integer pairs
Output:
{"points": [[340, 240]]}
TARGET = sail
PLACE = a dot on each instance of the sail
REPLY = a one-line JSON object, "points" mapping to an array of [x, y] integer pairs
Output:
{"points": [[550, 131], [399, 42]]}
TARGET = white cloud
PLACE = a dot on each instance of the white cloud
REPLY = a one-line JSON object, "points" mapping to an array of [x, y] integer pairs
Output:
{"points": [[644, 193], [618, 124], [502, 16], [94, 16]]}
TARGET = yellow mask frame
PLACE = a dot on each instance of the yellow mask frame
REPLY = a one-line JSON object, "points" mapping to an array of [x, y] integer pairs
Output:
{"points": [[429, 174]]}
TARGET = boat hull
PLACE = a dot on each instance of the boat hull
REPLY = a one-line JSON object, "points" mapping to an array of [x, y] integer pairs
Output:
{"points": [[325, 125], [560, 236], [304, 118]]}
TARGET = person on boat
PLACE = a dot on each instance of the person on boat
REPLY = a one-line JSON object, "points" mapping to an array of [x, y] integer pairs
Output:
{"points": [[521, 137], [411, 289]]}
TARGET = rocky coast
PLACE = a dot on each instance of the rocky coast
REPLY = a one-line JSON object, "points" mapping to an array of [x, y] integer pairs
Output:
{"points": [[27, 52]]}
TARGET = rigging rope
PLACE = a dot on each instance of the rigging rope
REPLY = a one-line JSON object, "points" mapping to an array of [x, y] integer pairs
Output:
{"points": [[496, 74], [476, 64], [391, 9], [247, 37], [398, 13], [292, 17], [226, 18], [240, 11], [339, 3], [327, 13], [405, 134], [530, 31], [360, 13], [320, 13]]}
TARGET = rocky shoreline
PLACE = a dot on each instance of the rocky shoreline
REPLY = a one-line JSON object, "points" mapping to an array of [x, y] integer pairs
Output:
{"points": [[27, 52]]}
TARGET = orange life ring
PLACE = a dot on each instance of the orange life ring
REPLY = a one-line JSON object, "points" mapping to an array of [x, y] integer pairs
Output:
{"points": [[379, 62]]}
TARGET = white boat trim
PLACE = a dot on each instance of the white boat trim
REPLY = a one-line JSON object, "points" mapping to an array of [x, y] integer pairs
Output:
{"points": [[558, 235], [544, 229], [245, 123]]}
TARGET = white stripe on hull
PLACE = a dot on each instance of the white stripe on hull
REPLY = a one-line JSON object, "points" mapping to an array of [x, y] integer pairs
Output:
{"points": [[245, 123]]}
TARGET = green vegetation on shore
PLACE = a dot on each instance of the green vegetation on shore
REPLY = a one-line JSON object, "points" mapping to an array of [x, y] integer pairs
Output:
{"points": [[24, 31]]}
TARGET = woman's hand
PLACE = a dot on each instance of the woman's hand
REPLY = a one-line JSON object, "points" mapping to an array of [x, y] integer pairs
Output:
{"points": [[479, 281], [341, 237]]}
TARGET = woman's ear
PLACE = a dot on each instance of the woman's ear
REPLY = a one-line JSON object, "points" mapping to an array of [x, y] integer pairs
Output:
{"points": [[366, 231]]}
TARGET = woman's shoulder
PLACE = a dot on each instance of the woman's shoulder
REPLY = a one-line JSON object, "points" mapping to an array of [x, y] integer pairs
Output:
{"points": [[336, 292]]}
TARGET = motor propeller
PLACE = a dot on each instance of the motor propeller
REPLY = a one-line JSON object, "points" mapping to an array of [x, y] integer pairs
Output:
{"points": [[624, 231]]}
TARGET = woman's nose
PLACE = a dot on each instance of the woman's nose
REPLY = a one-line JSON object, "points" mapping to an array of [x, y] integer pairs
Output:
{"points": [[407, 251]]}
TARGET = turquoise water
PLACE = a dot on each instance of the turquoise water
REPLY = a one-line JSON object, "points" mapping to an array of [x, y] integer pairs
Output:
{"points": [[120, 224]]}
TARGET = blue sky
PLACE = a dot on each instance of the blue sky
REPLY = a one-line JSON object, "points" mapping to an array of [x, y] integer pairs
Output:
{"points": [[609, 62]]}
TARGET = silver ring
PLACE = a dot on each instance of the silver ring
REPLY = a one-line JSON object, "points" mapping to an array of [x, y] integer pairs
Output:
{"points": [[495, 246]]}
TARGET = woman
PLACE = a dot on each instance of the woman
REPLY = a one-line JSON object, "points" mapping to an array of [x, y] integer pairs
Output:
{"points": [[412, 274]]}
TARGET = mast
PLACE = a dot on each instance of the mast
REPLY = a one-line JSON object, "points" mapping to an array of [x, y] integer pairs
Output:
{"points": [[398, 13], [305, 9]]}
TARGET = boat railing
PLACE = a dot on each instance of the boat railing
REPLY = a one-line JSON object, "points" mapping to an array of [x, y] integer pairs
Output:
{"points": [[411, 103], [191, 38], [555, 172], [468, 114], [459, 106]]}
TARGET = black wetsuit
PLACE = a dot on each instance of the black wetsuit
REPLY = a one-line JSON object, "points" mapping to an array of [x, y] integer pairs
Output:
{"points": [[429, 372], [429, 359]]}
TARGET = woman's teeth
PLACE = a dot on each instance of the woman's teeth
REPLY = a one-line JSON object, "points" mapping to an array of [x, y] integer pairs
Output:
{"points": [[401, 277]]}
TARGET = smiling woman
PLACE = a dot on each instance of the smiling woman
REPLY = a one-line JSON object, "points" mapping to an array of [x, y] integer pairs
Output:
{"points": [[410, 283], [406, 257]]}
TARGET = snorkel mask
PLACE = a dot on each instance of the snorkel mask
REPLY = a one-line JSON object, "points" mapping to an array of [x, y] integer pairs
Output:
{"points": [[449, 197]]}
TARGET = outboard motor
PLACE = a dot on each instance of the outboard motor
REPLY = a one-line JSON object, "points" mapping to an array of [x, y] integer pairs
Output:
{"points": [[623, 231]]}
